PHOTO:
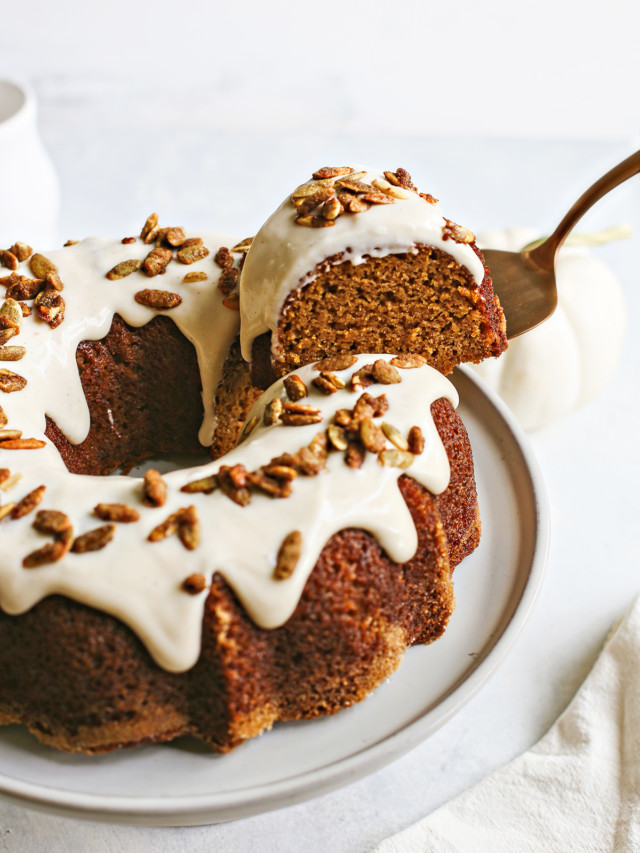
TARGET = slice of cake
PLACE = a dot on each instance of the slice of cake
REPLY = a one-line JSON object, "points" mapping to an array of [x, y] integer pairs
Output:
{"points": [[357, 260]]}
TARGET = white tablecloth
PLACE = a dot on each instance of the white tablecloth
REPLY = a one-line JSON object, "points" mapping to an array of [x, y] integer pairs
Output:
{"points": [[576, 790]]}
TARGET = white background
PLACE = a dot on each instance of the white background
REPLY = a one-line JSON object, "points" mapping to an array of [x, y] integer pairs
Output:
{"points": [[561, 68], [209, 113]]}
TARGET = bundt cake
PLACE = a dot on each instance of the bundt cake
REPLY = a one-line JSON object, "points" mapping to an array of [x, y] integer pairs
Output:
{"points": [[357, 260], [280, 580]]}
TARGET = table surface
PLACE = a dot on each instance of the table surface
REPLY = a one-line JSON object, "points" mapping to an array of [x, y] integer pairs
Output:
{"points": [[230, 182]]}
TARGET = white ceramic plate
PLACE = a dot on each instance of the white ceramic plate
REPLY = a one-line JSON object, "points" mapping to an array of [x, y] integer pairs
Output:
{"points": [[182, 784]]}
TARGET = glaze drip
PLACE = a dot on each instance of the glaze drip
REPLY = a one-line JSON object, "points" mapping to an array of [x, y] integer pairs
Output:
{"points": [[91, 301]]}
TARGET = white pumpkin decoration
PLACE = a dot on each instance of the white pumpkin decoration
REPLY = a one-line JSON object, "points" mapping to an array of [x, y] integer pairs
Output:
{"points": [[566, 361]]}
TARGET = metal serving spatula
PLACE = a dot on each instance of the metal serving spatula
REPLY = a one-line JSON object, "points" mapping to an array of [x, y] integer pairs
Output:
{"points": [[525, 281]]}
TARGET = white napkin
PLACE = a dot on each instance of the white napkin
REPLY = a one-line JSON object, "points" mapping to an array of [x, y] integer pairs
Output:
{"points": [[578, 789]]}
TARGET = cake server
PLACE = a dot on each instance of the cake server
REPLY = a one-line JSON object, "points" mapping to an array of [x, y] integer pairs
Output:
{"points": [[525, 281]]}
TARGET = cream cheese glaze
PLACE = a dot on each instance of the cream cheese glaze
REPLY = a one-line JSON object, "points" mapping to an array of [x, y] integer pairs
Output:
{"points": [[284, 255], [91, 301], [140, 582]]}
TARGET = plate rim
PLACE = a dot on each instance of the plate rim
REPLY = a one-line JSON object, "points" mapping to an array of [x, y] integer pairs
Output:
{"points": [[194, 809]]}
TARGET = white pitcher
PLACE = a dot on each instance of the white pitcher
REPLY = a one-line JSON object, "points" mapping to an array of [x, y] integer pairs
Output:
{"points": [[29, 190]]}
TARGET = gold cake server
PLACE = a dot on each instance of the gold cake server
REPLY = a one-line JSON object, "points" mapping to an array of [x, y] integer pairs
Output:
{"points": [[525, 281]]}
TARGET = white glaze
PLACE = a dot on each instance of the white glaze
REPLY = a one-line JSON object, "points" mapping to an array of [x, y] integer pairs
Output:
{"points": [[284, 255], [91, 300], [140, 582]]}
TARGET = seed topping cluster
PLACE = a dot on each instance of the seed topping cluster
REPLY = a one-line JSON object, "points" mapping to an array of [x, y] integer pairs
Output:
{"points": [[169, 245], [338, 190]]}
